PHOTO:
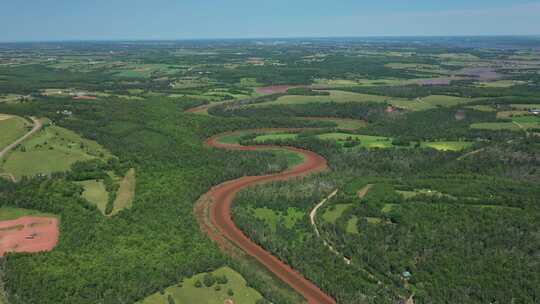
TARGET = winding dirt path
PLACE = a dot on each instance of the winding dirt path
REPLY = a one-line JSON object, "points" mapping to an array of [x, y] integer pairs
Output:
{"points": [[219, 201], [37, 126]]}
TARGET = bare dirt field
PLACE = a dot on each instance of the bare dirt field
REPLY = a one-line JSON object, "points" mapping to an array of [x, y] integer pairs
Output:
{"points": [[29, 234]]}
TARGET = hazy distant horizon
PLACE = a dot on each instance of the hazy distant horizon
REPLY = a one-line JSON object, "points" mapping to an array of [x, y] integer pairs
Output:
{"points": [[100, 20], [292, 38]]}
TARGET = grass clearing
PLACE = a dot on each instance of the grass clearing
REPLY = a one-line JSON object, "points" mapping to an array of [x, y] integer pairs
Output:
{"points": [[431, 102], [335, 96], [274, 218], [366, 141], [529, 119], [341, 123], [518, 122], [482, 108], [520, 106], [187, 293], [249, 82], [126, 192], [12, 128], [322, 83], [499, 84], [145, 70], [495, 126], [418, 104], [275, 136], [95, 193], [352, 225], [447, 145], [510, 114], [387, 208], [293, 159], [334, 212], [231, 139], [373, 220], [53, 149], [8, 213]]}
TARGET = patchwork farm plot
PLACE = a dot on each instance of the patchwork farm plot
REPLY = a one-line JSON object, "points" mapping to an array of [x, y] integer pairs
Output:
{"points": [[53, 149]]}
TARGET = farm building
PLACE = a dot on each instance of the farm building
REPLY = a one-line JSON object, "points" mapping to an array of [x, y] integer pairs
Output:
{"points": [[534, 111]]}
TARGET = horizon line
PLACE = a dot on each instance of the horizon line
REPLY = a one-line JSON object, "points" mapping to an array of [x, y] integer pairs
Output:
{"points": [[268, 38]]}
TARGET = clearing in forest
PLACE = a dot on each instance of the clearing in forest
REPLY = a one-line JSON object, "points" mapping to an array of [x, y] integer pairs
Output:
{"points": [[54, 149], [95, 193], [223, 286], [126, 192], [11, 129]]}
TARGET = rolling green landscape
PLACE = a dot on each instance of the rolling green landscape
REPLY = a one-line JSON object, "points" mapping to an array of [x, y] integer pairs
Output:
{"points": [[406, 170]]}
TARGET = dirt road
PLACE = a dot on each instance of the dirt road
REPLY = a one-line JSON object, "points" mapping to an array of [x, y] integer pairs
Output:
{"points": [[221, 198], [313, 213], [37, 126]]}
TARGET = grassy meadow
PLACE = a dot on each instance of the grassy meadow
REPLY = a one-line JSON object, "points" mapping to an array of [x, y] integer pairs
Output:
{"points": [[236, 289], [8, 213], [126, 192], [12, 128], [95, 193], [53, 149]]}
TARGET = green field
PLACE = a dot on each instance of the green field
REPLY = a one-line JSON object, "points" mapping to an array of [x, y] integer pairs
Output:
{"points": [[495, 126], [526, 119], [499, 84], [352, 225], [518, 122], [7, 213], [145, 70], [521, 106], [447, 145], [11, 129], [187, 293], [273, 218], [53, 149], [418, 104], [388, 208], [275, 136], [482, 108], [416, 192], [126, 192], [293, 159], [335, 96], [366, 141], [334, 212], [341, 123], [322, 83], [231, 139], [95, 193]]}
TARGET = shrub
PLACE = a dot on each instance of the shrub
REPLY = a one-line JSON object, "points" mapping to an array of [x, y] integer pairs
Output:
{"points": [[209, 280]]}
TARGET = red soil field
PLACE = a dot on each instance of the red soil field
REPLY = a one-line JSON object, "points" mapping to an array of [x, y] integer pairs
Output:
{"points": [[222, 197], [28, 234], [274, 89]]}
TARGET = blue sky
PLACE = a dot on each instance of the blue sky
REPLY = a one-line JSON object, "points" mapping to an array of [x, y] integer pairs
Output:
{"points": [[186, 19]]}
